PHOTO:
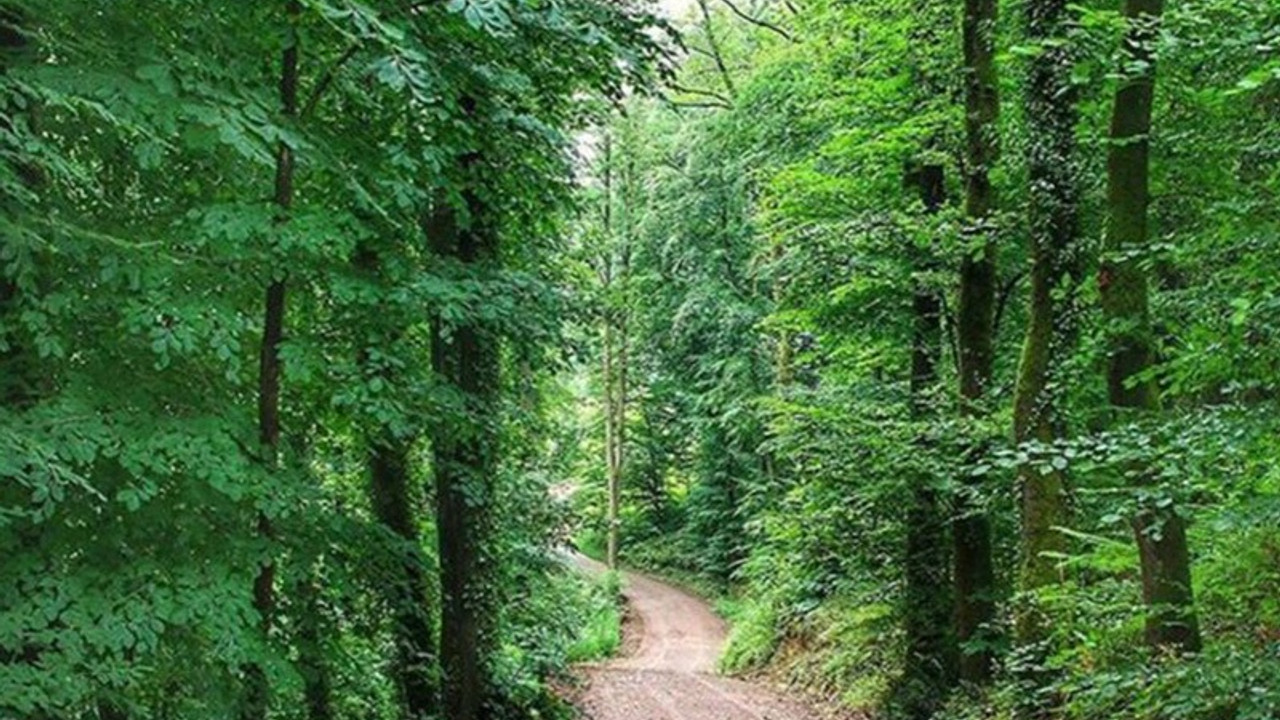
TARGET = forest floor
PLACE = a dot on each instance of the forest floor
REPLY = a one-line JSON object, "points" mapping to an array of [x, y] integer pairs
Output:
{"points": [[667, 668]]}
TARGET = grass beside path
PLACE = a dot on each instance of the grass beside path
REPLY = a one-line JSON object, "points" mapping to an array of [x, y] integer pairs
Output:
{"points": [[601, 634]]}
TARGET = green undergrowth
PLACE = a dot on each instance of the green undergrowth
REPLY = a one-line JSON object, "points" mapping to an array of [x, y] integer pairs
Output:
{"points": [[842, 650], [600, 635], [841, 643], [846, 648], [658, 560]]}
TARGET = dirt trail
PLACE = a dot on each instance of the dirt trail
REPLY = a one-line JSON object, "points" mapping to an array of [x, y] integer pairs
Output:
{"points": [[670, 675]]}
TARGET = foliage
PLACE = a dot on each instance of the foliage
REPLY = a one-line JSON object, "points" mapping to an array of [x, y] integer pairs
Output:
{"points": [[140, 145], [774, 440], [601, 635]]}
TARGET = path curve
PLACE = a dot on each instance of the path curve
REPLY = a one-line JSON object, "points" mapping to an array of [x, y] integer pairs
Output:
{"points": [[671, 674]]}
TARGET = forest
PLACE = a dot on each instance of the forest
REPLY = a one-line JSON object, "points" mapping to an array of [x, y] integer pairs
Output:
{"points": [[418, 359]]}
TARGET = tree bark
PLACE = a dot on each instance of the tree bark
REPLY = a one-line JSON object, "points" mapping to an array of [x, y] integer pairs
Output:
{"points": [[973, 565], [1054, 229], [466, 463], [1160, 532], [257, 699]]}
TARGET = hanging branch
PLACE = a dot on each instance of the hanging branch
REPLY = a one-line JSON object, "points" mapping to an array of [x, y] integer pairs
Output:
{"points": [[758, 22]]}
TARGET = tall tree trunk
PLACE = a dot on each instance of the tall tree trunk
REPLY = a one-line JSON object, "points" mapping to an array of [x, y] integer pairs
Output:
{"points": [[622, 317], [466, 463], [973, 565], [929, 667], [1160, 531], [612, 469], [394, 501], [257, 698], [613, 465], [1054, 228]]}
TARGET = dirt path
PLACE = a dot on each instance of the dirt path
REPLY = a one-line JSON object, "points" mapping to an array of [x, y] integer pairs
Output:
{"points": [[670, 675]]}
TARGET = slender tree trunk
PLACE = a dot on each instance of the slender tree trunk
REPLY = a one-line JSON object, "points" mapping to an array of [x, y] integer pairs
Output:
{"points": [[613, 466], [973, 565], [623, 352], [1160, 531], [466, 464], [317, 686], [1054, 228], [258, 693], [783, 373], [394, 501], [929, 667]]}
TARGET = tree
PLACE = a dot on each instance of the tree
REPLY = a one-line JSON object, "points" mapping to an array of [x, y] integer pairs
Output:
{"points": [[613, 266], [257, 701], [1054, 231], [974, 568], [395, 496], [465, 449], [1158, 527], [930, 662]]}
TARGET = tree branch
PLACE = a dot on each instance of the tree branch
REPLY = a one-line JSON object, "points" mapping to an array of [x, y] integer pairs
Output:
{"points": [[710, 104], [696, 91], [715, 48], [1002, 300], [326, 79], [758, 22]]}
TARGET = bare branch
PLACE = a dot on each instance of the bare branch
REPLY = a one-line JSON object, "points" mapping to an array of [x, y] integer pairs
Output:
{"points": [[1002, 300], [758, 22]]}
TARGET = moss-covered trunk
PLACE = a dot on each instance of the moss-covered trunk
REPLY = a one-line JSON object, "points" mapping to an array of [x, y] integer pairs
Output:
{"points": [[1159, 530], [1054, 230], [973, 566]]}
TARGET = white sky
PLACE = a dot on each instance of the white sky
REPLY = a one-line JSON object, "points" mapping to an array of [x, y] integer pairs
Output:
{"points": [[673, 9]]}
